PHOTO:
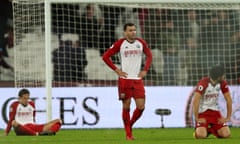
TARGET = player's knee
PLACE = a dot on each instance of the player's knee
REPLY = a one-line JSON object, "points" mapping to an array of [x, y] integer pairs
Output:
{"points": [[200, 135], [224, 132], [59, 121], [141, 108], [225, 135], [14, 123]]}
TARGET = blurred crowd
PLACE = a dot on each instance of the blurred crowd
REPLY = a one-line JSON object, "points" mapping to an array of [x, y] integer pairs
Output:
{"points": [[185, 43], [191, 41], [6, 34]]}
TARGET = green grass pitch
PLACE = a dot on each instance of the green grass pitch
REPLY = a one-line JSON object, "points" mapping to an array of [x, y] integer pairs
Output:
{"points": [[117, 136]]}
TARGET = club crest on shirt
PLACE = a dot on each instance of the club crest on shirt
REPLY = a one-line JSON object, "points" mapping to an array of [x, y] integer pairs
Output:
{"points": [[200, 88], [137, 46]]}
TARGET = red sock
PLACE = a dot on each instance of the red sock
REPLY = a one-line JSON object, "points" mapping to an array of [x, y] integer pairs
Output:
{"points": [[55, 127], [126, 121], [136, 115], [23, 130]]}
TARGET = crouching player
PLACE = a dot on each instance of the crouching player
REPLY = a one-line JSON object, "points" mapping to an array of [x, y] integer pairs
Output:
{"points": [[207, 116], [22, 118]]}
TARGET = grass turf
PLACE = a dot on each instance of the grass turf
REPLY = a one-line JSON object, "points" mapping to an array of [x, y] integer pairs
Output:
{"points": [[117, 136]]}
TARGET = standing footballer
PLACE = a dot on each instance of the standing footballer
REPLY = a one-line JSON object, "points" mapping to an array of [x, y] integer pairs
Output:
{"points": [[207, 115], [130, 82]]}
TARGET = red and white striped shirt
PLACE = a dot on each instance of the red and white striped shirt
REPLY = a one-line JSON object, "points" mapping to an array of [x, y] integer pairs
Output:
{"points": [[131, 56]]}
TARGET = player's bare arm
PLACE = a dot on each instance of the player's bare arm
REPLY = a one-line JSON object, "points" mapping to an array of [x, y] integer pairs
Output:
{"points": [[196, 102], [228, 99]]}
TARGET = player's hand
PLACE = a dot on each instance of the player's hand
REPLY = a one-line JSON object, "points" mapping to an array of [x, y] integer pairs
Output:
{"points": [[121, 73], [201, 120], [142, 74], [223, 120]]}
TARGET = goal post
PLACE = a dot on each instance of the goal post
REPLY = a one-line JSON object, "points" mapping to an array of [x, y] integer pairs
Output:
{"points": [[48, 72], [56, 45]]}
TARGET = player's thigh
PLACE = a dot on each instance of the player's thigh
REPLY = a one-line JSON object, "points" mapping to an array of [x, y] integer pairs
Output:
{"points": [[126, 103], [140, 103]]}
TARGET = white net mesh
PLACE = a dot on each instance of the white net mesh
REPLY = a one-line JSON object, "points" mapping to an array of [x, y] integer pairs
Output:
{"points": [[29, 43], [186, 39]]}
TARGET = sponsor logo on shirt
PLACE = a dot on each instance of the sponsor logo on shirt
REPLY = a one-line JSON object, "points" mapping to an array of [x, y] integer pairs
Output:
{"points": [[129, 53], [137, 46], [211, 95]]}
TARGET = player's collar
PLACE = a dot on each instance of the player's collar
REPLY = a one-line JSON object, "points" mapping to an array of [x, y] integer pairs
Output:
{"points": [[213, 83], [23, 105], [130, 41]]}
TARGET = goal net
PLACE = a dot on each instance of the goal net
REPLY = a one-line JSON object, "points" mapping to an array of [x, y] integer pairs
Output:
{"points": [[186, 39]]}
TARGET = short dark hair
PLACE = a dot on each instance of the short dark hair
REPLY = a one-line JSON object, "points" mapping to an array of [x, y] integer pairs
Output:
{"points": [[89, 6], [22, 92], [216, 71], [128, 24]]}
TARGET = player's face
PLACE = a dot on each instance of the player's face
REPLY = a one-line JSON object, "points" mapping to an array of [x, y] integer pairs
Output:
{"points": [[24, 99], [221, 78], [130, 33]]}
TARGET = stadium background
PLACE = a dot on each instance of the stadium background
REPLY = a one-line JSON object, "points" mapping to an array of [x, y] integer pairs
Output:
{"points": [[28, 59]]}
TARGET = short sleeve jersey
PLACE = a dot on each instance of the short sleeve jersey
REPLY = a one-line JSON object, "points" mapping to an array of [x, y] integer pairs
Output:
{"points": [[210, 93]]}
